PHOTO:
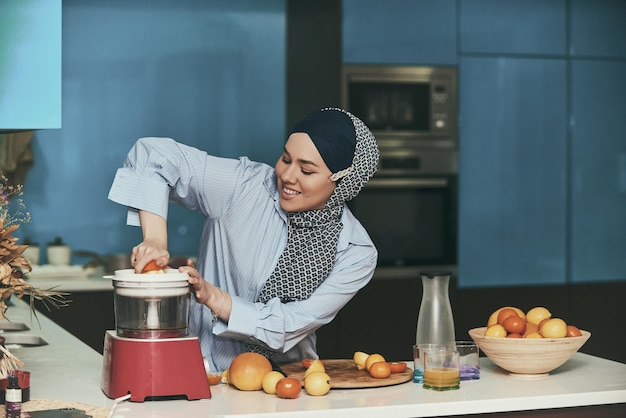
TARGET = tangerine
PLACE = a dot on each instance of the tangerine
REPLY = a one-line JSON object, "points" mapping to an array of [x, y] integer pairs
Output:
{"points": [[530, 328], [573, 331], [151, 267], [506, 313], [214, 379], [397, 367], [380, 370], [514, 324], [288, 388], [247, 370], [493, 318]]}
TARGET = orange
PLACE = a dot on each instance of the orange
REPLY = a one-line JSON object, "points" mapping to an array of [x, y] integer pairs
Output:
{"points": [[288, 388], [553, 328], [317, 384], [152, 267], [514, 324], [380, 370], [247, 370], [397, 367], [214, 379], [371, 359], [573, 331], [506, 313], [530, 328], [493, 318]]}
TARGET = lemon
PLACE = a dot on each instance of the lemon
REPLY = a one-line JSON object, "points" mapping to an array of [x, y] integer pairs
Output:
{"points": [[359, 359], [373, 358], [225, 376], [317, 383], [554, 328], [495, 330], [269, 381], [316, 366], [533, 335], [537, 314]]}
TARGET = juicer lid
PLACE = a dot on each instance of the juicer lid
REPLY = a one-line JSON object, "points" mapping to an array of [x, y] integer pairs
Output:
{"points": [[168, 275]]}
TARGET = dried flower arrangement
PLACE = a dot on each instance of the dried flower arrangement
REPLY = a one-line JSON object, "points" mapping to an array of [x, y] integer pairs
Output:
{"points": [[13, 265]]}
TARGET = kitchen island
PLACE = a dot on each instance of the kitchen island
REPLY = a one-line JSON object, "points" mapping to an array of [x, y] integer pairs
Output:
{"points": [[68, 370]]}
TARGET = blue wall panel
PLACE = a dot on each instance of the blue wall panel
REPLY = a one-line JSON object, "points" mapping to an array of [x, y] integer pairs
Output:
{"points": [[399, 32], [210, 74], [514, 27], [598, 28], [512, 165], [598, 171]]}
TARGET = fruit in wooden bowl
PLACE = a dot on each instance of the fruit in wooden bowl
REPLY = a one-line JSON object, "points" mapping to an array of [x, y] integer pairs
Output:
{"points": [[533, 356]]}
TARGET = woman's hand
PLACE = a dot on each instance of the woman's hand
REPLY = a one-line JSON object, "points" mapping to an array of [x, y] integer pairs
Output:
{"points": [[147, 251], [154, 244], [211, 296]]}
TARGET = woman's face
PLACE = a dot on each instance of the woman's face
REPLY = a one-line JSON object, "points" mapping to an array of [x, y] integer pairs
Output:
{"points": [[303, 177]]}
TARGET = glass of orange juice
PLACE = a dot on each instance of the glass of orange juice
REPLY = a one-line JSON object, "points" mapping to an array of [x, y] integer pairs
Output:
{"points": [[441, 370]]}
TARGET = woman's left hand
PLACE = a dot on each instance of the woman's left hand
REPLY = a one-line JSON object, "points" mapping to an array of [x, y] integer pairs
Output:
{"points": [[207, 294], [200, 286]]}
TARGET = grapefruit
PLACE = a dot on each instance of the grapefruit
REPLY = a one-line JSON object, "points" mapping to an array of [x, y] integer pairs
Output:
{"points": [[247, 370]]}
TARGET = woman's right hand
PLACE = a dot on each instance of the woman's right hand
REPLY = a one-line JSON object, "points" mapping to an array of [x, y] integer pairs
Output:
{"points": [[154, 244], [147, 251]]}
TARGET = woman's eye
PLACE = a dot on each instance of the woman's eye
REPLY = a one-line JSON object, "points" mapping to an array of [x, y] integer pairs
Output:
{"points": [[285, 160], [307, 173]]}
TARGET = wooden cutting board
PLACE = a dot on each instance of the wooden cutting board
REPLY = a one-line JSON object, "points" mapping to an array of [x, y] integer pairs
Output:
{"points": [[344, 375]]}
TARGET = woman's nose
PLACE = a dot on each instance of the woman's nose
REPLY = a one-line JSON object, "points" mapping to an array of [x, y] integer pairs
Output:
{"points": [[289, 174]]}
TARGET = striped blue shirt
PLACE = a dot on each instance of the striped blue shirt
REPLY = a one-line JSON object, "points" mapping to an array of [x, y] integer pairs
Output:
{"points": [[244, 233]]}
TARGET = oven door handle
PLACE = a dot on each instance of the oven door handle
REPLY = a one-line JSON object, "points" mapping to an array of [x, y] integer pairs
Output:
{"points": [[408, 182]]}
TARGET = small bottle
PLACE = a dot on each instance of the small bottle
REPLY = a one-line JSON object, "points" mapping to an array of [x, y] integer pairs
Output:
{"points": [[13, 398]]}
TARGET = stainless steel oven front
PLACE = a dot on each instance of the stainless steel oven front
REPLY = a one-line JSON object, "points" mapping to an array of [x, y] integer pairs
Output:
{"points": [[409, 209]]}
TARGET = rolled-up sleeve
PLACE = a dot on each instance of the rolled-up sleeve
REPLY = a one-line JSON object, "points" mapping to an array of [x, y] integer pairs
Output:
{"points": [[158, 170]]}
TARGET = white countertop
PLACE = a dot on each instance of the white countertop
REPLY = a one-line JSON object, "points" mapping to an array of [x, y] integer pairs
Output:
{"points": [[69, 370], [73, 278]]}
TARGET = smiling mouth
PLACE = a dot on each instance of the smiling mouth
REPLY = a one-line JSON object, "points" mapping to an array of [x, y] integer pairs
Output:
{"points": [[290, 192]]}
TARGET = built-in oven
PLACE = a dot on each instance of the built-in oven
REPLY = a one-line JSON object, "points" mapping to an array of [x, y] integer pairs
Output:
{"points": [[412, 218], [410, 206]]}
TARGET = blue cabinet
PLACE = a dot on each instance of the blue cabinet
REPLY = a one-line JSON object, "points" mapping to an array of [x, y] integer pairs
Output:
{"points": [[598, 173], [30, 64], [598, 28], [399, 32], [513, 27], [513, 168]]}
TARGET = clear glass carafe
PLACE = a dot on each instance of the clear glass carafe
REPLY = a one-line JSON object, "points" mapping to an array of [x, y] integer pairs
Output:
{"points": [[435, 324]]}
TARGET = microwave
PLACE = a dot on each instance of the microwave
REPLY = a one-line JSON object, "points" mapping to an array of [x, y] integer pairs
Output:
{"points": [[405, 106]]}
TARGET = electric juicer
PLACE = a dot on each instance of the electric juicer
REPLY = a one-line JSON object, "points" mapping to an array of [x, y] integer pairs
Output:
{"points": [[150, 355]]}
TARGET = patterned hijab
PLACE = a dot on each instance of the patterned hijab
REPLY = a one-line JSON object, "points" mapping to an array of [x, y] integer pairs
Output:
{"points": [[312, 237]]}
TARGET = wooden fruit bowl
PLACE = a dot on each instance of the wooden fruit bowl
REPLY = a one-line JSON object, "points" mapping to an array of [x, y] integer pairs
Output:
{"points": [[531, 356]]}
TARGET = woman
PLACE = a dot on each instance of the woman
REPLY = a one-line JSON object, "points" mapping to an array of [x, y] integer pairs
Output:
{"points": [[280, 252]]}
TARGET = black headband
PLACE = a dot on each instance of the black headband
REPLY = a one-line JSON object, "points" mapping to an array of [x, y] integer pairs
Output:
{"points": [[333, 134]]}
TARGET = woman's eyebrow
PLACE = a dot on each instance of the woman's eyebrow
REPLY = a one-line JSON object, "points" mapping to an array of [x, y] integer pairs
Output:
{"points": [[300, 160]]}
